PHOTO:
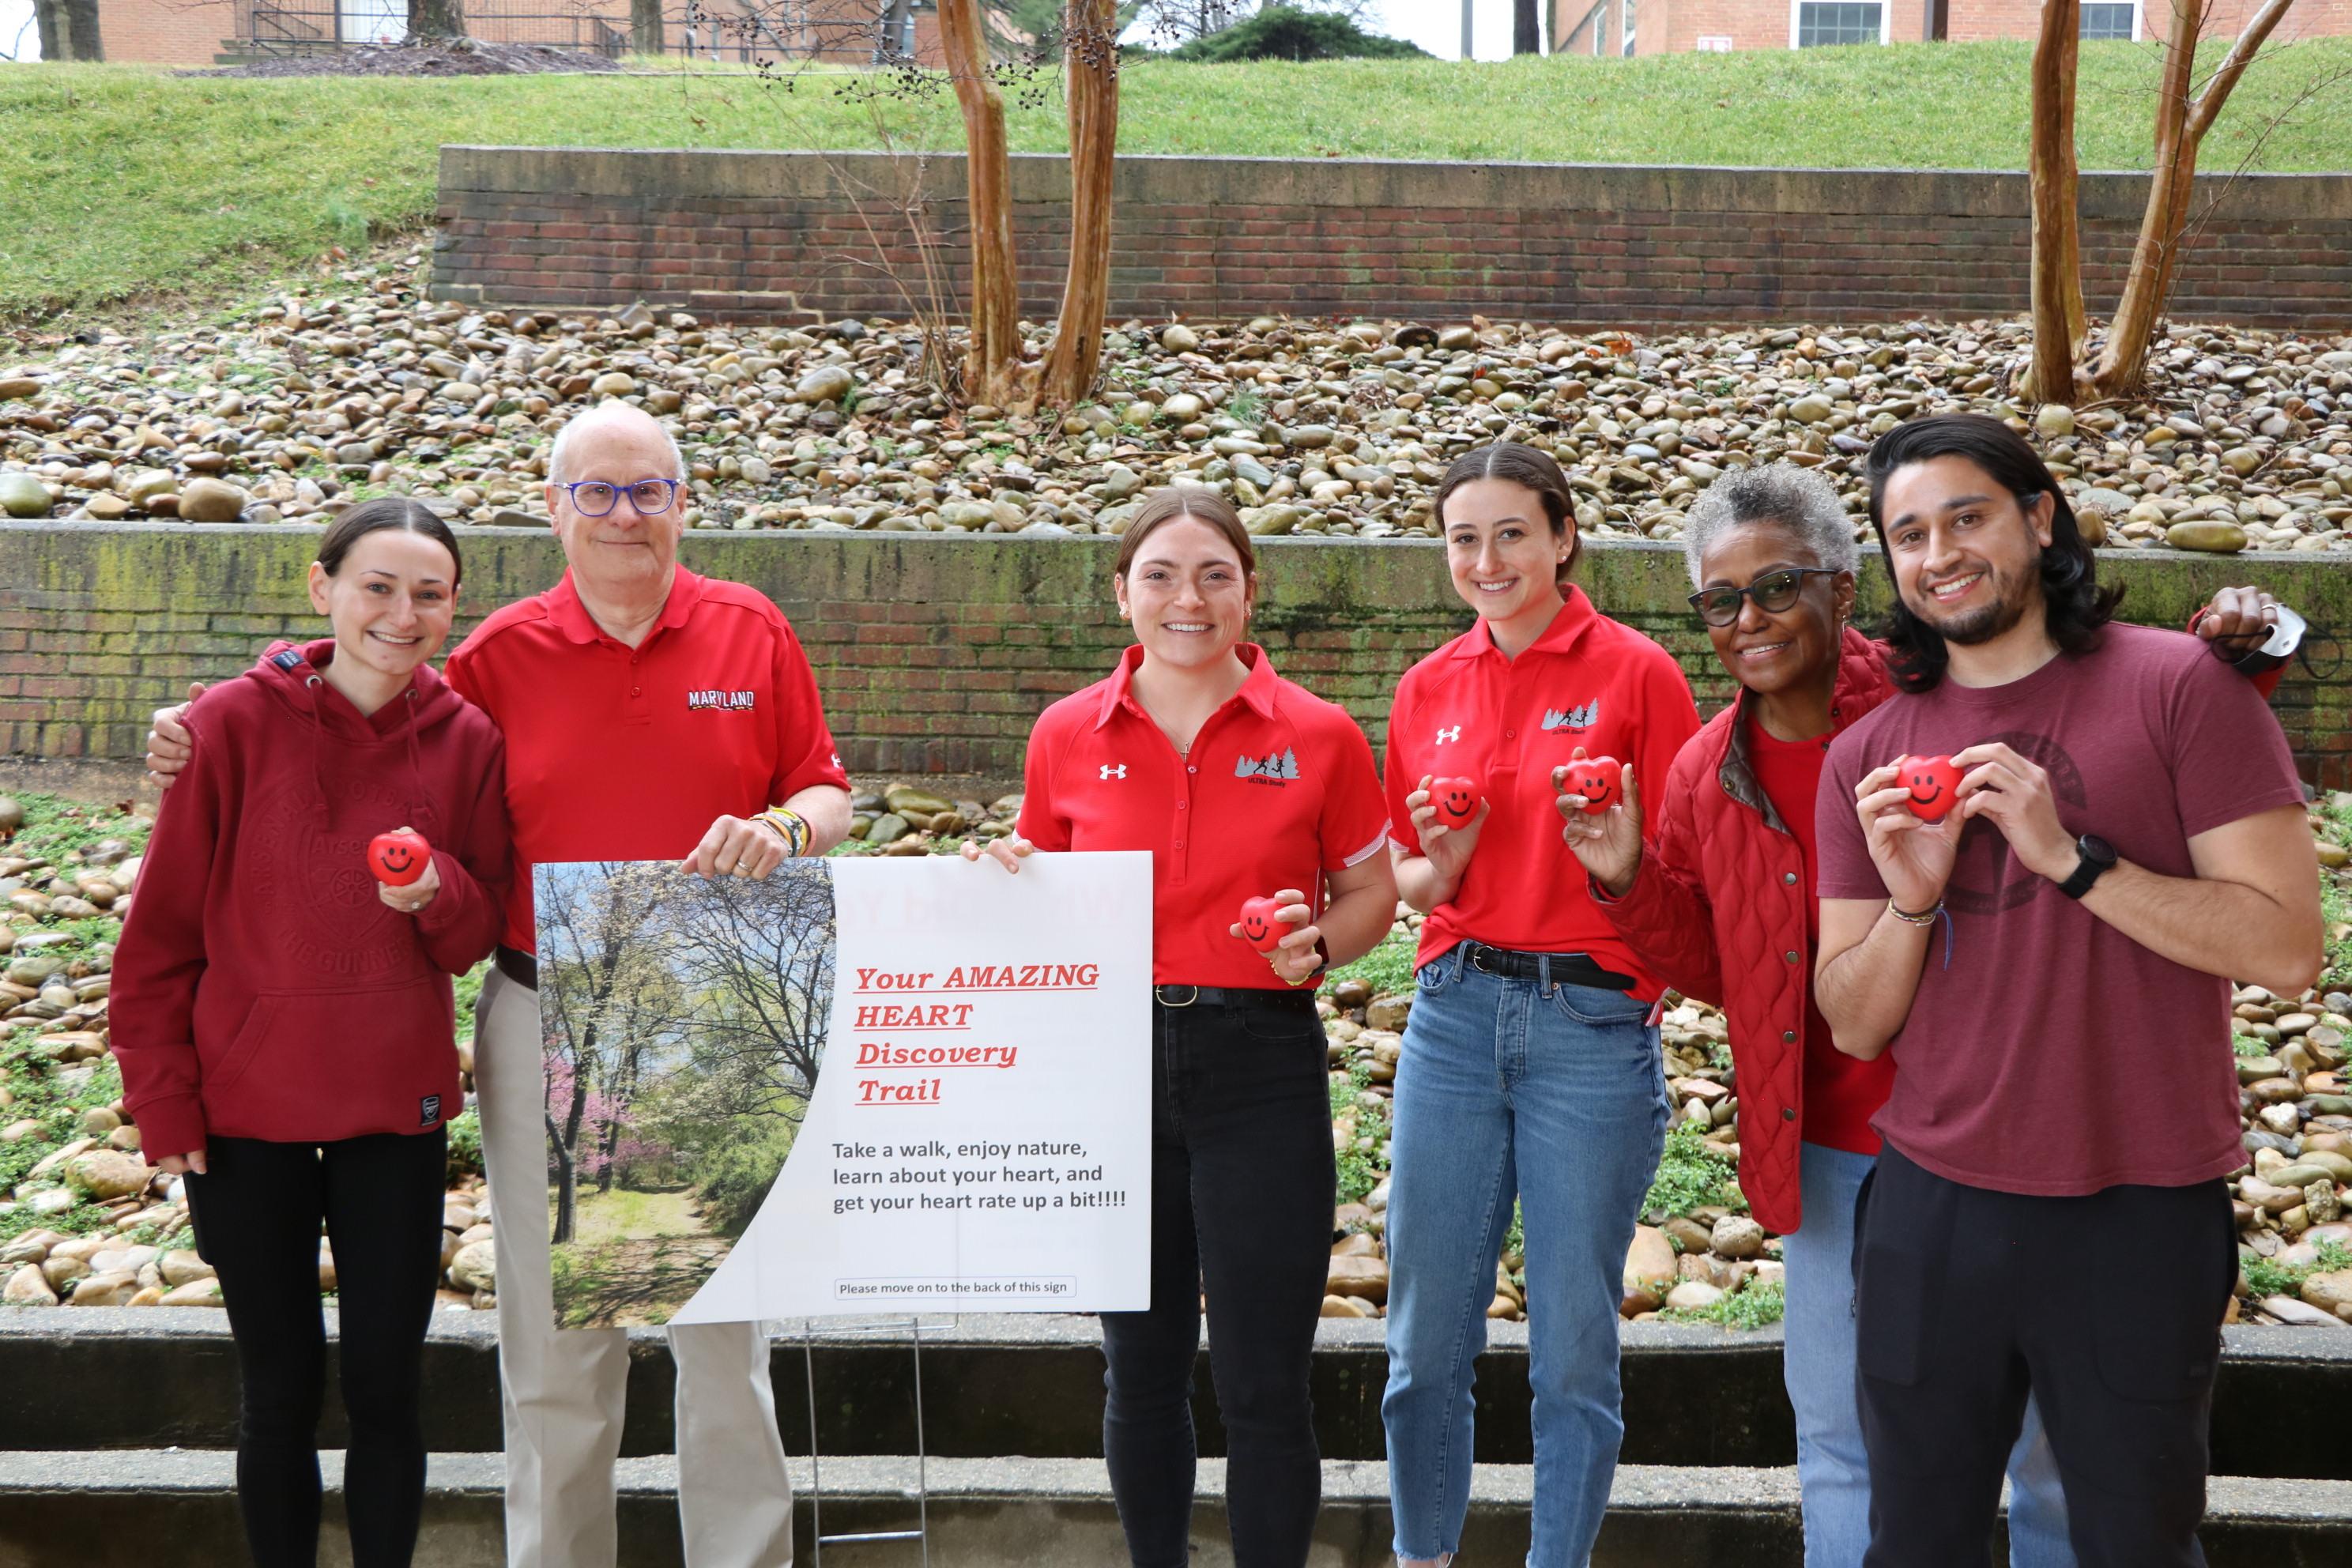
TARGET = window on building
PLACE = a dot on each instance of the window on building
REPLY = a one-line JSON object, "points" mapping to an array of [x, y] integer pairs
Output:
{"points": [[1625, 31], [2110, 19], [1824, 22]]}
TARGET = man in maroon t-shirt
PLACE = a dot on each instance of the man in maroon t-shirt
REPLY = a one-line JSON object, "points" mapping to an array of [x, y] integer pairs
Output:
{"points": [[2049, 959]]}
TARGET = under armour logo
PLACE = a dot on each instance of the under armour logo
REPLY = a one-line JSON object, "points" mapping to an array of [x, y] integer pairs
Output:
{"points": [[1113, 771], [1444, 735]]}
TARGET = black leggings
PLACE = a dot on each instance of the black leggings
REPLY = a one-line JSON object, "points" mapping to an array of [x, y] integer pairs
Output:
{"points": [[1241, 1205], [256, 1212]]}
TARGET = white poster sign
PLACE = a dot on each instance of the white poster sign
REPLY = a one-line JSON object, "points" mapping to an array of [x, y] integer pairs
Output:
{"points": [[949, 1065]]}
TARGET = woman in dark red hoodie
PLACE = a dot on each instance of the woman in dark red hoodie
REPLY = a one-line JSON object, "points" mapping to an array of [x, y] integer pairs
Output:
{"points": [[284, 1021]]}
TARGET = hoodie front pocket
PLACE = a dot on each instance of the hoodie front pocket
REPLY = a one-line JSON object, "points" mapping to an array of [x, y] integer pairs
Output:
{"points": [[221, 1077], [338, 1063]]}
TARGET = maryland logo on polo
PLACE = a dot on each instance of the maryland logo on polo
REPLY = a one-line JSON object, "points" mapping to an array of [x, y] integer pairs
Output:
{"points": [[1272, 769], [1574, 719], [734, 701]]}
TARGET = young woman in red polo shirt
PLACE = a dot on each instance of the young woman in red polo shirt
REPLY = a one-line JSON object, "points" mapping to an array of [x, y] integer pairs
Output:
{"points": [[284, 1020], [1241, 786], [1530, 1068]]}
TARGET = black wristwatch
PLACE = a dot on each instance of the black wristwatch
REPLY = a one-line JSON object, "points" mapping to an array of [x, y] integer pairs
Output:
{"points": [[2098, 857]]}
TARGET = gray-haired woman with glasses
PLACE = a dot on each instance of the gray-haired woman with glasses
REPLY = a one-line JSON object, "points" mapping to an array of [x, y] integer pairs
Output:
{"points": [[1720, 902]]}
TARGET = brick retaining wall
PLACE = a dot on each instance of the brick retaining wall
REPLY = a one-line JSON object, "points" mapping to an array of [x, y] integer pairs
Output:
{"points": [[783, 236], [934, 654]]}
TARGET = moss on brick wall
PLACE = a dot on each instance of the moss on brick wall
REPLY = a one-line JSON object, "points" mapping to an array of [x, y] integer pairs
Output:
{"points": [[934, 653]]}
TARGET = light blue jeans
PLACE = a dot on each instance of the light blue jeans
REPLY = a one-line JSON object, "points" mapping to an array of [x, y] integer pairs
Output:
{"points": [[1554, 1095], [1818, 1364]]}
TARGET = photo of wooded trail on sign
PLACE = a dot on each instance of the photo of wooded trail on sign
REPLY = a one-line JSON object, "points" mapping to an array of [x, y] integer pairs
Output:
{"points": [[982, 1141], [685, 1023]]}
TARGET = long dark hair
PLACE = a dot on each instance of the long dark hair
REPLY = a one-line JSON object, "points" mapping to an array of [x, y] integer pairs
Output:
{"points": [[2074, 604], [387, 511], [1529, 467]]}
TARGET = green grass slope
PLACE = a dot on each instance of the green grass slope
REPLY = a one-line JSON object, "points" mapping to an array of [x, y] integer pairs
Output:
{"points": [[118, 182]]}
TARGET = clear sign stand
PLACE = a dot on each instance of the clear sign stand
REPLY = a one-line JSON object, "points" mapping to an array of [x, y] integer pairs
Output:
{"points": [[913, 1329]]}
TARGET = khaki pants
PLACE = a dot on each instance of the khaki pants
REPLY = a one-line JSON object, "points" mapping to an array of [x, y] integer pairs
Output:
{"points": [[563, 1392]]}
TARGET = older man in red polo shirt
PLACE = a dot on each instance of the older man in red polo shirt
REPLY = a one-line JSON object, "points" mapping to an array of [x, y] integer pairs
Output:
{"points": [[649, 714]]}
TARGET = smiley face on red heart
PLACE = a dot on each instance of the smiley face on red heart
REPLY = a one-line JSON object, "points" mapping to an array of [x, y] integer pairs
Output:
{"points": [[1456, 801], [1932, 783], [398, 858], [1261, 924], [1600, 781]]}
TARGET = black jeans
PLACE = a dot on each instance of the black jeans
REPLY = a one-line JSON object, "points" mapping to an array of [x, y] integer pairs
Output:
{"points": [[256, 1212], [1242, 1180], [1964, 1303]]}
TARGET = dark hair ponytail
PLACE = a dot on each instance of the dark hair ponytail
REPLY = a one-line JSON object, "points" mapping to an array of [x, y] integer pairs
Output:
{"points": [[1531, 469], [2074, 604], [387, 511]]}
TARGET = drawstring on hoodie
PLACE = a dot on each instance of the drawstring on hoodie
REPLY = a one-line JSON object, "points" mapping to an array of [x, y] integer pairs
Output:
{"points": [[417, 794], [311, 683], [416, 762]]}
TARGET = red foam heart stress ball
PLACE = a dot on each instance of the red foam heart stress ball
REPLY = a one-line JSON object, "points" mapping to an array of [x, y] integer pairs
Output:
{"points": [[1599, 780], [1457, 800], [1261, 925], [398, 858], [1932, 783]]}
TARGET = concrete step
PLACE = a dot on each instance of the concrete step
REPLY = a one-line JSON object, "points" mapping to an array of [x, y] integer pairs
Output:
{"points": [[74, 1377], [85, 1378], [1044, 1513]]}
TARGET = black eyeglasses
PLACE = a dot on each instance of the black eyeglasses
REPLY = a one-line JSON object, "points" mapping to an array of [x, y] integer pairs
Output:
{"points": [[1773, 592], [594, 497]]}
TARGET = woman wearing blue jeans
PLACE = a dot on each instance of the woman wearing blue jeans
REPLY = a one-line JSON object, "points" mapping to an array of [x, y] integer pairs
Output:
{"points": [[1530, 1067]]}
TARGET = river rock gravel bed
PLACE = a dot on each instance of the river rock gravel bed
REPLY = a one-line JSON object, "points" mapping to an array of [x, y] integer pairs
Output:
{"points": [[358, 385]]}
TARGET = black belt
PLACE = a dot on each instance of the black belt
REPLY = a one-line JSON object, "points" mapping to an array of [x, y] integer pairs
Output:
{"points": [[1232, 996], [517, 965], [1567, 968]]}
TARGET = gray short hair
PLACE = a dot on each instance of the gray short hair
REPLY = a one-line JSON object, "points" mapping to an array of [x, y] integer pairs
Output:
{"points": [[1798, 500], [559, 456]]}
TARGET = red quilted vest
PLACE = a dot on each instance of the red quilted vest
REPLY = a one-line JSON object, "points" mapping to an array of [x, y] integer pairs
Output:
{"points": [[1718, 912]]}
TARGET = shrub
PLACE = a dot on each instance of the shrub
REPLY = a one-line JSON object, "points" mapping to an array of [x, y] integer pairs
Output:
{"points": [[735, 1178], [1287, 33]]}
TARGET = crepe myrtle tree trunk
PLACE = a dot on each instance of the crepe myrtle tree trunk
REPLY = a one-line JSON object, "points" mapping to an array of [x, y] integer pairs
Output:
{"points": [[993, 372], [69, 29], [645, 27], [2183, 116], [1091, 44], [2184, 113], [2057, 270], [436, 19]]}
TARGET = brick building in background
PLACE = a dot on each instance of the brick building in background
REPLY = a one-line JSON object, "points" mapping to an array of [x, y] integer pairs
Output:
{"points": [[204, 32], [1612, 28]]}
